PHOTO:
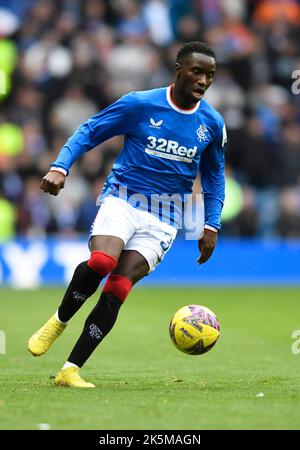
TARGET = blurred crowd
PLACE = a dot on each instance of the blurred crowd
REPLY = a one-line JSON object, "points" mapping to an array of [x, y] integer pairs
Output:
{"points": [[63, 60]]}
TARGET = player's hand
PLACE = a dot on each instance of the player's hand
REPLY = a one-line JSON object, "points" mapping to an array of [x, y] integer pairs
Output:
{"points": [[53, 182], [207, 245]]}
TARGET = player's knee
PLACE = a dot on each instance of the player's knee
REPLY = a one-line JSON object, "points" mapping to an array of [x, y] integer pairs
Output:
{"points": [[138, 273], [118, 285], [102, 263], [133, 269]]}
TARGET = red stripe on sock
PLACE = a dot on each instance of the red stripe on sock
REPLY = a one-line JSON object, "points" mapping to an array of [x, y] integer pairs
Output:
{"points": [[102, 263], [117, 285]]}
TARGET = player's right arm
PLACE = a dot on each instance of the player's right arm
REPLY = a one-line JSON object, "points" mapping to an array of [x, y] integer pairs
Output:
{"points": [[116, 119]]}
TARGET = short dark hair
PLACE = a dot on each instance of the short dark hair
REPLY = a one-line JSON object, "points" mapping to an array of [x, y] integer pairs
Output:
{"points": [[194, 47]]}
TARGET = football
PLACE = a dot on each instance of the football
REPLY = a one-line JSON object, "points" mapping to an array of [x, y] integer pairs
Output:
{"points": [[194, 329]]}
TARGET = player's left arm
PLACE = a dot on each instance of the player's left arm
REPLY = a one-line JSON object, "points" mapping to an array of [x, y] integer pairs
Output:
{"points": [[212, 172]]}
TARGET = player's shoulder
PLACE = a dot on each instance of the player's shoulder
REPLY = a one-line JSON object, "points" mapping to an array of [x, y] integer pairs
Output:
{"points": [[151, 95], [212, 114], [215, 120]]}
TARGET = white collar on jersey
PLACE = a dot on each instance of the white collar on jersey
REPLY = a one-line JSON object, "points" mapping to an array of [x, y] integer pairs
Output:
{"points": [[180, 110]]}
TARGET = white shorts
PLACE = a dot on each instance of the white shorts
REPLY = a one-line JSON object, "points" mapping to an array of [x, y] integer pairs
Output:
{"points": [[140, 230]]}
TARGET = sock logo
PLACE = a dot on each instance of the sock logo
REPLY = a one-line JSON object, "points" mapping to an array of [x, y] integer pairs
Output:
{"points": [[79, 297], [95, 332]]}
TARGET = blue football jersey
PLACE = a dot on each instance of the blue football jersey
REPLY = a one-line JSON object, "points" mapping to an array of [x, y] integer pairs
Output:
{"points": [[164, 148]]}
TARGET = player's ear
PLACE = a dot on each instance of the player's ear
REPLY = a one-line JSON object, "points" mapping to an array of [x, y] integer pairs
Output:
{"points": [[177, 68]]}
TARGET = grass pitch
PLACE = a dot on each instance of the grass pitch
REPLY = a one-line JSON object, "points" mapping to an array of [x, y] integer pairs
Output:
{"points": [[249, 380]]}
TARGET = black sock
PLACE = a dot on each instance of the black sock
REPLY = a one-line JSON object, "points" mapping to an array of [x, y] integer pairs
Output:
{"points": [[97, 326], [83, 284]]}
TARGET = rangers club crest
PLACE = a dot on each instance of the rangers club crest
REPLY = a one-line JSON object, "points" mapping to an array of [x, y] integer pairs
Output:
{"points": [[202, 133]]}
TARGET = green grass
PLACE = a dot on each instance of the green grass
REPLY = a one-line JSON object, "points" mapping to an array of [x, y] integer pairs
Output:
{"points": [[142, 381]]}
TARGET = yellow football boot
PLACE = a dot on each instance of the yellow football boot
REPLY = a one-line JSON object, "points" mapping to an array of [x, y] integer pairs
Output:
{"points": [[42, 339], [70, 377]]}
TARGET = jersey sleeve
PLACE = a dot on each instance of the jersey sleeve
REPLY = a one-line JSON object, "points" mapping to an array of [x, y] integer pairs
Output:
{"points": [[212, 173], [116, 119]]}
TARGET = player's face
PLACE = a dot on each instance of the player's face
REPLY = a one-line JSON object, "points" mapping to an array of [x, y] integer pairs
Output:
{"points": [[194, 75]]}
